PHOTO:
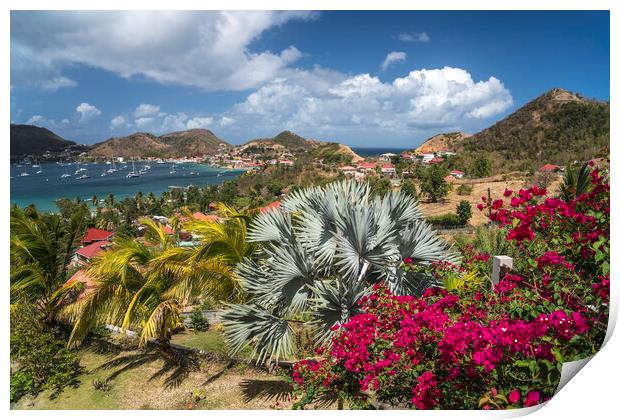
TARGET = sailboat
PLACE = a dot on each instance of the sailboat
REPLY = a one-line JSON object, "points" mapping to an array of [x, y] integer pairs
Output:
{"points": [[113, 168], [84, 176], [24, 174], [66, 174], [133, 173], [173, 170]]}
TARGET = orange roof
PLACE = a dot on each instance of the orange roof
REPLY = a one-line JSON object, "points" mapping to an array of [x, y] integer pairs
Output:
{"points": [[81, 277], [204, 217], [93, 235], [548, 168], [270, 206], [90, 251]]}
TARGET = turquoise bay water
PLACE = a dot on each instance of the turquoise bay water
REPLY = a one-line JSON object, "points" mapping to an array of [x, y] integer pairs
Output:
{"points": [[43, 189]]}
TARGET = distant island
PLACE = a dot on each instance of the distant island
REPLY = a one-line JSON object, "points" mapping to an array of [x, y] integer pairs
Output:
{"points": [[558, 127]]}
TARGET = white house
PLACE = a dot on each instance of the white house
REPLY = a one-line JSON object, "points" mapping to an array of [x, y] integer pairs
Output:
{"points": [[387, 157], [427, 157]]}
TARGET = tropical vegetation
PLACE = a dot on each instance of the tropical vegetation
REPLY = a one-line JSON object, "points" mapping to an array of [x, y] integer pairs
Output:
{"points": [[479, 345], [319, 254]]}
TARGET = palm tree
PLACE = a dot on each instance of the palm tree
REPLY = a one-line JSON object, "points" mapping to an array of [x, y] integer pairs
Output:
{"points": [[320, 252], [224, 238], [41, 250], [94, 200], [574, 183], [143, 285]]}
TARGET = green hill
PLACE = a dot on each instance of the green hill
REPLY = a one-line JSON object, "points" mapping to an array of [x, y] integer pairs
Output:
{"points": [[557, 127]]}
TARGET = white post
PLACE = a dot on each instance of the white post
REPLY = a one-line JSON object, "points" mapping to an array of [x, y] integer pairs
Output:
{"points": [[499, 261]]}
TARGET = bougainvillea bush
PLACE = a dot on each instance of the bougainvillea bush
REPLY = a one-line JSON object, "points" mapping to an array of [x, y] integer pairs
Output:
{"points": [[477, 345]]}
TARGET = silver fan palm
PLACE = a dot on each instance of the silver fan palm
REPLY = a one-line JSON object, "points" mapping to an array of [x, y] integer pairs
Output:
{"points": [[321, 251]]}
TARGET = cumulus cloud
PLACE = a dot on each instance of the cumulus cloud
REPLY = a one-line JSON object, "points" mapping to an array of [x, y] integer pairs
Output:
{"points": [[208, 49], [58, 82], [422, 100], [118, 122], [199, 122], [146, 110], [414, 37], [393, 57], [37, 120], [87, 111], [226, 121]]}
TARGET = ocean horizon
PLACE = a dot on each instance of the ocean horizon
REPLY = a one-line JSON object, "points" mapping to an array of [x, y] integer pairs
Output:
{"points": [[45, 188], [375, 151]]}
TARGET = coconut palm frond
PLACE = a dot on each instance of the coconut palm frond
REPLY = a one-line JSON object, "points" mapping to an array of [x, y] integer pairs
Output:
{"points": [[270, 336], [163, 318]]}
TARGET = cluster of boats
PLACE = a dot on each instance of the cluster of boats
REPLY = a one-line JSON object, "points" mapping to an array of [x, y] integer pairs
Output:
{"points": [[82, 172]]}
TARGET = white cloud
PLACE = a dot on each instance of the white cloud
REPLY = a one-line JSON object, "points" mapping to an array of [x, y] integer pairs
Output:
{"points": [[87, 111], [423, 102], [57, 83], [393, 57], [146, 110], [414, 37], [37, 120], [226, 121], [208, 49], [118, 122], [199, 122]]}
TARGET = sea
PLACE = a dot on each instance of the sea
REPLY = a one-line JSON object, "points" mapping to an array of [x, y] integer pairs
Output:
{"points": [[375, 151], [45, 188]]}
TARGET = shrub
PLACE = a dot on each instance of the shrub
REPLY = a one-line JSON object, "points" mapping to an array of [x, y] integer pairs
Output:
{"points": [[445, 220], [463, 210], [465, 189], [198, 322], [39, 359], [101, 385]]}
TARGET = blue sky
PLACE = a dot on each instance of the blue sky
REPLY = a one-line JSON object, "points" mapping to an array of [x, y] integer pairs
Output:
{"points": [[370, 79]]}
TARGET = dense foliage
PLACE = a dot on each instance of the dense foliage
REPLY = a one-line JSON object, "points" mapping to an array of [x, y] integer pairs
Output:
{"points": [[319, 253], [477, 347], [39, 359]]}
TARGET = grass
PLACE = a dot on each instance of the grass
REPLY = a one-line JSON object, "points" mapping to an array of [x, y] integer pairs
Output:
{"points": [[145, 379], [209, 341]]}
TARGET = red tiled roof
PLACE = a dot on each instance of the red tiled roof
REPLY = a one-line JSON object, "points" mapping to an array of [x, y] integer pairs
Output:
{"points": [[81, 276], [93, 235], [89, 251], [456, 173], [548, 168], [436, 160], [366, 165], [205, 217], [270, 206]]}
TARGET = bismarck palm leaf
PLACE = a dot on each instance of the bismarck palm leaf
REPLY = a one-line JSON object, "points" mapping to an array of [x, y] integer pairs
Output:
{"points": [[334, 303], [321, 251], [270, 336]]}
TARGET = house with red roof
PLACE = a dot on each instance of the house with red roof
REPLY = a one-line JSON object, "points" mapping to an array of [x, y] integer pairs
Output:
{"points": [[95, 235], [435, 161], [348, 170], [548, 168], [388, 169], [457, 174], [205, 217], [80, 276], [86, 253], [366, 166], [270, 206]]}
